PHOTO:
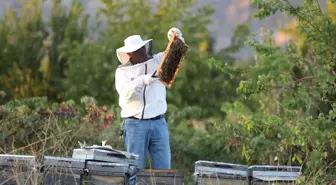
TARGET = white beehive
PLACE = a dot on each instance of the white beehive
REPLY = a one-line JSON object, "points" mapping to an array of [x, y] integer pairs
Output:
{"points": [[218, 173], [274, 175]]}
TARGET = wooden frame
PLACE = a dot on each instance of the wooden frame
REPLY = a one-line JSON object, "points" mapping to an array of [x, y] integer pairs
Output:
{"points": [[163, 61]]}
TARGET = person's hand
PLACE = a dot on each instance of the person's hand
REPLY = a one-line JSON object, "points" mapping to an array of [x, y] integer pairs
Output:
{"points": [[178, 34], [149, 79]]}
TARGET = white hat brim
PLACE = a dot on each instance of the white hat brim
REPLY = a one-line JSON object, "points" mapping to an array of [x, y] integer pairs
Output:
{"points": [[122, 55]]}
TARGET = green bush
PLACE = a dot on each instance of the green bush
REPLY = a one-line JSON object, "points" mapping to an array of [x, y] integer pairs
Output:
{"points": [[32, 125]]}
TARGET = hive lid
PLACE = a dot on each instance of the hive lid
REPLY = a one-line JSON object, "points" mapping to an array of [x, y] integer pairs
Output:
{"points": [[275, 173], [210, 167], [107, 149], [17, 157], [11, 160], [221, 165], [104, 151]]}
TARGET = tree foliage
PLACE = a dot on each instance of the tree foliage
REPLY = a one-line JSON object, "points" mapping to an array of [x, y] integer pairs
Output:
{"points": [[295, 90]]}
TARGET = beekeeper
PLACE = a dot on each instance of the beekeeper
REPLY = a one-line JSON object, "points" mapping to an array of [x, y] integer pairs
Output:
{"points": [[142, 99]]}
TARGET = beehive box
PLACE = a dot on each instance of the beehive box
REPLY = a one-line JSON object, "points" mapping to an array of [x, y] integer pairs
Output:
{"points": [[18, 169], [106, 173], [218, 173], [274, 175], [159, 177], [62, 171]]}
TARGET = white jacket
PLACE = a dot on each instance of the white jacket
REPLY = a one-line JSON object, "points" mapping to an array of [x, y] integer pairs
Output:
{"points": [[140, 95]]}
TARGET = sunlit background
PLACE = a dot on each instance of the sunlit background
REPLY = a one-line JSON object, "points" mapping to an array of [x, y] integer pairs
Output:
{"points": [[228, 13]]}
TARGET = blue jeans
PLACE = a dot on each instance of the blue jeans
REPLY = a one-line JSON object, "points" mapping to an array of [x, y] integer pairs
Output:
{"points": [[142, 136]]}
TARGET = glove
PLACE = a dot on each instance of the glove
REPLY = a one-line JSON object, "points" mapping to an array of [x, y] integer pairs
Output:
{"points": [[178, 34], [149, 79]]}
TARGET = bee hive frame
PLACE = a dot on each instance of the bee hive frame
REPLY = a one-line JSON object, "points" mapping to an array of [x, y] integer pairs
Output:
{"points": [[169, 64]]}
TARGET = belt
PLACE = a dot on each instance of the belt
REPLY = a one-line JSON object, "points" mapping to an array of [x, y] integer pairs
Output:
{"points": [[154, 118]]}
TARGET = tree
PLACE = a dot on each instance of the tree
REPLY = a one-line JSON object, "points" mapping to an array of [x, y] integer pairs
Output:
{"points": [[68, 29], [21, 52], [295, 90], [33, 52]]}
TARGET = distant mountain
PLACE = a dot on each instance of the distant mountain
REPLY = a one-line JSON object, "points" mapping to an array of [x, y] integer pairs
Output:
{"points": [[228, 14]]}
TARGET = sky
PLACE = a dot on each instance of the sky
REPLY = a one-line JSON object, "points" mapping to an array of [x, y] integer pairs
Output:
{"points": [[228, 13]]}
